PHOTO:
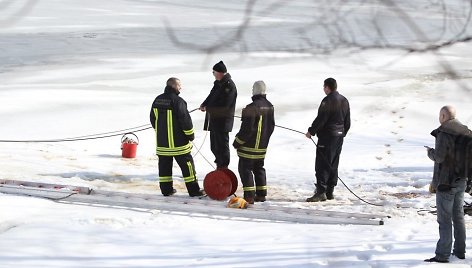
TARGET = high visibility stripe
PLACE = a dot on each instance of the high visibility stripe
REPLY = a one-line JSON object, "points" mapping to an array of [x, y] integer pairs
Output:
{"points": [[174, 151], [156, 113], [259, 131], [191, 177], [170, 129], [179, 148], [249, 189], [170, 149], [251, 156], [238, 140], [165, 179], [252, 150], [188, 132], [261, 187]]}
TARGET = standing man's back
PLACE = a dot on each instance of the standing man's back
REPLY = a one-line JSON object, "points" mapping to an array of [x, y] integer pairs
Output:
{"points": [[331, 126], [173, 135], [251, 142]]}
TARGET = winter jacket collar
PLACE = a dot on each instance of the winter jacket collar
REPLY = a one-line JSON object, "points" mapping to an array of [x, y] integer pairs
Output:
{"points": [[223, 80], [333, 93], [258, 97], [171, 90], [453, 127], [226, 78]]}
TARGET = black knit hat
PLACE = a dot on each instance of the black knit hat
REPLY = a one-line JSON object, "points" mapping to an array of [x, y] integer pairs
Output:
{"points": [[220, 67]]}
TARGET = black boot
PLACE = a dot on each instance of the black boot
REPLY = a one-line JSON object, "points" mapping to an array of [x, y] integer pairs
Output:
{"points": [[249, 197], [459, 255], [167, 188], [329, 193], [317, 197], [170, 193], [194, 189], [200, 192], [434, 259], [260, 198]]}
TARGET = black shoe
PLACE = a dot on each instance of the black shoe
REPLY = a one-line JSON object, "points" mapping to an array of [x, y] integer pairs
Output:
{"points": [[171, 193], [329, 193], [199, 193], [249, 200], [249, 197], [434, 259], [459, 255], [317, 197], [259, 198]]}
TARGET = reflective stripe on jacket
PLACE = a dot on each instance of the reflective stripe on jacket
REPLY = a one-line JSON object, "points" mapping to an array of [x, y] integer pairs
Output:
{"points": [[256, 128], [172, 124]]}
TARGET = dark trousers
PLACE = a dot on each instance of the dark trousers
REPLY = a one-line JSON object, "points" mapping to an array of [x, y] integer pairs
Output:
{"points": [[219, 142], [187, 166], [250, 171], [327, 162]]}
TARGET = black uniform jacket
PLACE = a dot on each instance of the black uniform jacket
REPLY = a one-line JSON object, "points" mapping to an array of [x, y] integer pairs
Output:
{"points": [[256, 128], [334, 117], [172, 123], [220, 105]]}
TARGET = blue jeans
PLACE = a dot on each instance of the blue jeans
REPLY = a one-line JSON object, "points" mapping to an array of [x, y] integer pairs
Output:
{"points": [[450, 207]]}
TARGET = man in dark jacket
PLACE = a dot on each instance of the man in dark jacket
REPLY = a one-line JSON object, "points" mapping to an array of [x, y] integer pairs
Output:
{"points": [[174, 133], [251, 143], [331, 126], [219, 106], [449, 186]]}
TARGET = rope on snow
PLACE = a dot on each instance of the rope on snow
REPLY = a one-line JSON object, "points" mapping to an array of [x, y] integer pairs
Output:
{"points": [[146, 127]]}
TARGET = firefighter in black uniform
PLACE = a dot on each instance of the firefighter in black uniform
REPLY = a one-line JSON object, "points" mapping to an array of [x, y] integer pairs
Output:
{"points": [[219, 106], [331, 126], [251, 143], [174, 133]]}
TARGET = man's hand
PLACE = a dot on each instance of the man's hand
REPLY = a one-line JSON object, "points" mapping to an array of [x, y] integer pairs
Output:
{"points": [[202, 108], [431, 189], [430, 152], [308, 134], [236, 145]]}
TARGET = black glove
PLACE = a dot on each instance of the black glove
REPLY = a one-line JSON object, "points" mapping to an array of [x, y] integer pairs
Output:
{"points": [[191, 137], [236, 145]]}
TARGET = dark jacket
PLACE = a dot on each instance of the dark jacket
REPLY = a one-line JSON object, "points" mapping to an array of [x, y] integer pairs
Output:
{"points": [[172, 123], [220, 105], [443, 154], [256, 128], [334, 117]]}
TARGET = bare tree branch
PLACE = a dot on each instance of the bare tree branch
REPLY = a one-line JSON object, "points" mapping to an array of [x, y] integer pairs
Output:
{"points": [[335, 21], [13, 18], [223, 42]]}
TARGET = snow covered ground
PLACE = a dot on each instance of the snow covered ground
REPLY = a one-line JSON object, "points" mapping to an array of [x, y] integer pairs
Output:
{"points": [[75, 68]]}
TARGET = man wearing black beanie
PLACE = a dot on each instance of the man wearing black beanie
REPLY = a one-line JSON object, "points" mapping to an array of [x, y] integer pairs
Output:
{"points": [[219, 107]]}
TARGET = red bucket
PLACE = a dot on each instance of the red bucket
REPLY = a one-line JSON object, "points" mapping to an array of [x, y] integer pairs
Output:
{"points": [[129, 145]]}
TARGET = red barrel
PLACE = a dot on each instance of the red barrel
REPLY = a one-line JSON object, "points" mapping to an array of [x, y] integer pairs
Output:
{"points": [[129, 145]]}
